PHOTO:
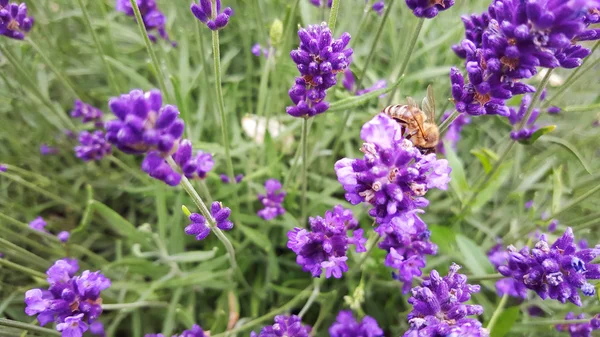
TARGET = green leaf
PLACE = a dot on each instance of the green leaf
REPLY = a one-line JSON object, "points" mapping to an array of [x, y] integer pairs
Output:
{"points": [[485, 158], [133, 74], [258, 238], [195, 256], [567, 145], [444, 237], [490, 190], [557, 190], [537, 134], [505, 322], [121, 226], [475, 258], [458, 177]]}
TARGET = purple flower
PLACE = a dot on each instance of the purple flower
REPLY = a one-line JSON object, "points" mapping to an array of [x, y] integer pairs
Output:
{"points": [[580, 329], [452, 135], [326, 244], [555, 271], [257, 50], [347, 326], [3, 167], [318, 3], [272, 200], [529, 204], [97, 328], [46, 150], [288, 326], [86, 112], [195, 331], [212, 17], [143, 124], [73, 326], [554, 110], [71, 301], [92, 146], [393, 176], [516, 116], [378, 7], [318, 59], [225, 179], [475, 25], [14, 22], [200, 227], [438, 308], [428, 8], [152, 17], [38, 224], [582, 244], [193, 167], [156, 167], [552, 225], [63, 236]]}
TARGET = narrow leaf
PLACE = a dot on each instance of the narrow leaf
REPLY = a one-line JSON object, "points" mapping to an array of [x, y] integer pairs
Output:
{"points": [[474, 257], [505, 322]]}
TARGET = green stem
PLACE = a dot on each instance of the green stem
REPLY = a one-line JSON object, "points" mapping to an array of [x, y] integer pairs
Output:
{"points": [[411, 47], [582, 108], [284, 308], [335, 6], [313, 296], [366, 255], [65, 82], [448, 121], [497, 313], [68, 123], [538, 93], [20, 268], [189, 189], [41, 191], [28, 327], [221, 103], [573, 77], [134, 305], [88, 22], [159, 75], [304, 142], [558, 322], [576, 201]]}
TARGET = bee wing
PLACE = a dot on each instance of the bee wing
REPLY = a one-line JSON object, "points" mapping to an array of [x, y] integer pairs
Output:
{"points": [[411, 102]]}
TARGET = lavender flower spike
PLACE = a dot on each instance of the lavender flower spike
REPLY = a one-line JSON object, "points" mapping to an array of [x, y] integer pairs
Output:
{"points": [[86, 112], [212, 17], [438, 308], [326, 244], [289, 326], [428, 8], [14, 22], [580, 329], [200, 227], [272, 200], [318, 59], [347, 326], [554, 271], [92, 146], [193, 167]]}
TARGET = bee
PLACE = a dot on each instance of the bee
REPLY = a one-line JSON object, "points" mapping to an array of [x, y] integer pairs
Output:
{"points": [[418, 125]]}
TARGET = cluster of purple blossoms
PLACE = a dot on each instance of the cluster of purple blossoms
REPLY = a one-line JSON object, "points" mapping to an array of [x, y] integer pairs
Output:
{"points": [[72, 302], [87, 113], [438, 308], [452, 135], [195, 331], [347, 326], [39, 224], [47, 150], [428, 8], [200, 227], [257, 50], [394, 176], [349, 83], [272, 200], [319, 59], [555, 271], [236, 180], [214, 20], [318, 2], [14, 22], [326, 244], [506, 45], [288, 326], [580, 329], [92, 146], [152, 17], [193, 167], [145, 126], [499, 256]]}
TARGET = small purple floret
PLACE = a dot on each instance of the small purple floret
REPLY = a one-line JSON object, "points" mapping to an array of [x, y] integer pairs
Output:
{"points": [[288, 326], [347, 326], [272, 200], [428, 8], [92, 146], [152, 17], [212, 17]]}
